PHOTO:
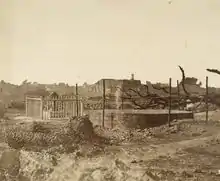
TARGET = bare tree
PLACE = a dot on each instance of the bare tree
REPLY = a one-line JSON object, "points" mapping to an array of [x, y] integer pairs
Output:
{"points": [[144, 99]]}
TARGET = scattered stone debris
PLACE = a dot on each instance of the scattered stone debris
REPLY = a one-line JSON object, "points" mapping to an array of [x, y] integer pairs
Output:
{"points": [[9, 164], [75, 147]]}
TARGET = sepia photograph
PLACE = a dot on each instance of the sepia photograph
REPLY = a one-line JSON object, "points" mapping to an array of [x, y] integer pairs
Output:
{"points": [[109, 90]]}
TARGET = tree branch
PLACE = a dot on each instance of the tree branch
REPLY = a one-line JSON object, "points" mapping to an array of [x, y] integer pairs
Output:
{"points": [[161, 88], [214, 71], [183, 80]]}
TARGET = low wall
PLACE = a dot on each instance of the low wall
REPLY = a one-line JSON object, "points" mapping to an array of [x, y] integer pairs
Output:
{"points": [[136, 119]]}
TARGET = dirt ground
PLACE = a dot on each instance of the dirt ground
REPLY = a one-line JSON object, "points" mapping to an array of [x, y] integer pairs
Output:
{"points": [[189, 150]]}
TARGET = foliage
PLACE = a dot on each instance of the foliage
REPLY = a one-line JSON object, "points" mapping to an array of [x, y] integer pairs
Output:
{"points": [[38, 127], [18, 105]]}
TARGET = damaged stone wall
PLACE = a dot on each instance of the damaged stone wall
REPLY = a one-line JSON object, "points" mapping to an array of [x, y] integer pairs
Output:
{"points": [[132, 119]]}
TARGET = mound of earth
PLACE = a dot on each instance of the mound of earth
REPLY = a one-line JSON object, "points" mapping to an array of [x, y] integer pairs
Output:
{"points": [[23, 165], [82, 125], [77, 131]]}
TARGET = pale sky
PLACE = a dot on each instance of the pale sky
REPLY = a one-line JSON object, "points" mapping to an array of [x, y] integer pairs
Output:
{"points": [[85, 40]]}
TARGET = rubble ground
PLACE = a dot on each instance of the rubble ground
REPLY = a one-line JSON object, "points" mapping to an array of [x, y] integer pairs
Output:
{"points": [[187, 150]]}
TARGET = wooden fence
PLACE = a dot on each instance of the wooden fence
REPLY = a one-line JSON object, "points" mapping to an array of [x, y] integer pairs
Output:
{"points": [[55, 107]]}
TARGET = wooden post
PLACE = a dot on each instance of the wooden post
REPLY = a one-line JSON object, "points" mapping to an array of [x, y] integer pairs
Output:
{"points": [[77, 105], [53, 109], [81, 108], [170, 93], [206, 99], [42, 108], [26, 105], [122, 101], [178, 93], [103, 104], [112, 119]]}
